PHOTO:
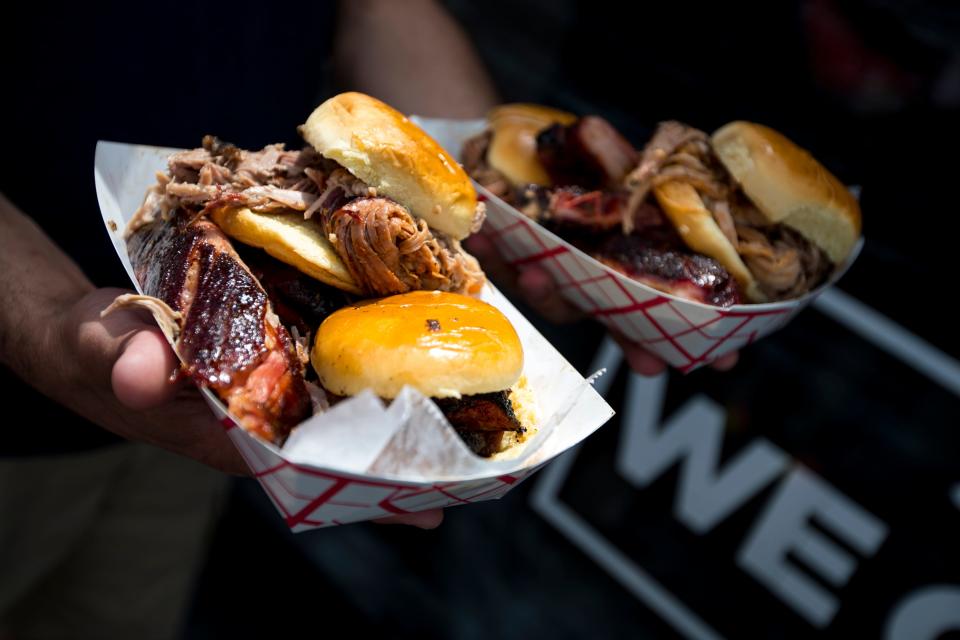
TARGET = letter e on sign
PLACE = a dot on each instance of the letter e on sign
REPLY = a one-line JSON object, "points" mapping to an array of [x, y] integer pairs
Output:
{"points": [[784, 527]]}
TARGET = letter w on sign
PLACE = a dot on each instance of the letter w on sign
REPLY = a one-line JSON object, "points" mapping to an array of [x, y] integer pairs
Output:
{"points": [[692, 437]]}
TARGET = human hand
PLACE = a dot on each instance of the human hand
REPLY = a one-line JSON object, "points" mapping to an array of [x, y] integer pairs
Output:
{"points": [[530, 283], [118, 372], [649, 364]]}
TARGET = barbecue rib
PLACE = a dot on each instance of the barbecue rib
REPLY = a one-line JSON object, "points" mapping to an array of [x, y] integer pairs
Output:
{"points": [[229, 338]]}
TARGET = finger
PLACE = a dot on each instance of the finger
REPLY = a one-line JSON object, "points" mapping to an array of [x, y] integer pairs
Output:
{"points": [[480, 245], [220, 453], [141, 376], [493, 265], [639, 359], [227, 460], [422, 520], [726, 362], [539, 290], [532, 284], [190, 428]]}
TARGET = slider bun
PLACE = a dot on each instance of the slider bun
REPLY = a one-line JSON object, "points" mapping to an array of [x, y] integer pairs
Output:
{"points": [[790, 187], [381, 147], [289, 238], [682, 205], [443, 344], [513, 148]]}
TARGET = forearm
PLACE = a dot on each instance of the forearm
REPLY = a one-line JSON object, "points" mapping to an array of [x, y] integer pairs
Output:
{"points": [[38, 284], [413, 55]]}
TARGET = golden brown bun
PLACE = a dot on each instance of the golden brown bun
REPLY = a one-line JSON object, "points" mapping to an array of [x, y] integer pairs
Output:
{"points": [[513, 148], [682, 205], [290, 239], [443, 344], [381, 147], [790, 187]]}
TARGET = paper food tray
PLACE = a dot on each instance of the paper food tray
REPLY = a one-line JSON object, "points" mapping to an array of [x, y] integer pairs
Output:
{"points": [[685, 334], [361, 459]]}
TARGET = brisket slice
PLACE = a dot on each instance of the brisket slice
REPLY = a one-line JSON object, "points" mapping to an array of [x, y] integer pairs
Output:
{"points": [[590, 153], [486, 421], [656, 256], [488, 443], [298, 299], [481, 412]]}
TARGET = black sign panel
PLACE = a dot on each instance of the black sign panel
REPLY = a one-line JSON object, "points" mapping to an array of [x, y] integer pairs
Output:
{"points": [[813, 490]]}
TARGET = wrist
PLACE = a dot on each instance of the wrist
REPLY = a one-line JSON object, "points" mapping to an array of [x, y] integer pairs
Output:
{"points": [[32, 345]]}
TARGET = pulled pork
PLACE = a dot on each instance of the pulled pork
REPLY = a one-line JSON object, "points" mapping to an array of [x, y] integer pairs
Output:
{"points": [[389, 252], [220, 174], [676, 152], [594, 192], [385, 248], [783, 262]]}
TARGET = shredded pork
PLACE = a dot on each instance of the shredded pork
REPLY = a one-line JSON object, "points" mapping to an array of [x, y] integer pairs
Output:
{"points": [[385, 248], [389, 252], [782, 261]]}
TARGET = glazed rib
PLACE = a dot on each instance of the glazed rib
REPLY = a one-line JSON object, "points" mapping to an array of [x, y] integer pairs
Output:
{"points": [[230, 340]]}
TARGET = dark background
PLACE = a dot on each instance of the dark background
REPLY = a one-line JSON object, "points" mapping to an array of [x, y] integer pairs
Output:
{"points": [[867, 88], [871, 88]]}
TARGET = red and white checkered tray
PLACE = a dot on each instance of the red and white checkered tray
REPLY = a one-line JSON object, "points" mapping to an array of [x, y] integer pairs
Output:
{"points": [[685, 334], [361, 460]]}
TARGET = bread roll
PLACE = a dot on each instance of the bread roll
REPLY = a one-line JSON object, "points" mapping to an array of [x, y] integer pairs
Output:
{"points": [[384, 149], [443, 344], [790, 187], [513, 146]]}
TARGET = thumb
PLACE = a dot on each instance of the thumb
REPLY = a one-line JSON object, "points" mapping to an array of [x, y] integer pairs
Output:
{"points": [[124, 347], [142, 375]]}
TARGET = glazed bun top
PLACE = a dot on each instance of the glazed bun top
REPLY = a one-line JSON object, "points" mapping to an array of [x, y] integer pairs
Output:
{"points": [[790, 187], [513, 146], [443, 344], [384, 149]]}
